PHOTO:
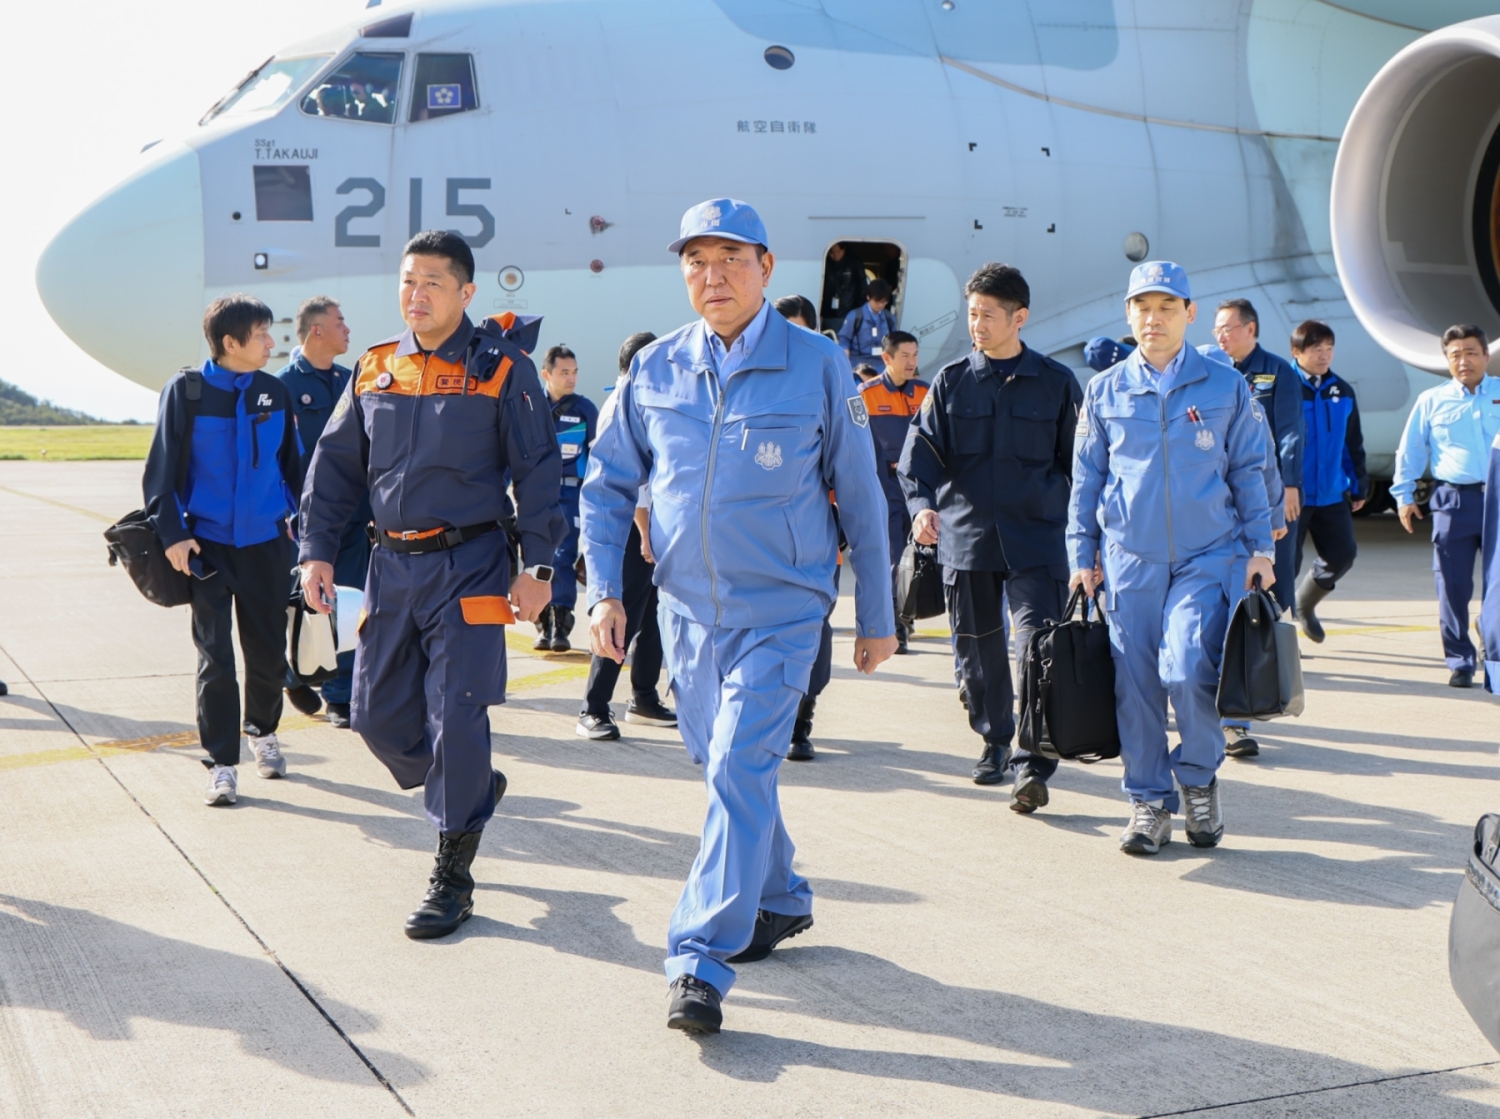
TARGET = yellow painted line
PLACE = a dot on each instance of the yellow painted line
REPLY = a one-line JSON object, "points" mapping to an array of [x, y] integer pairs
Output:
{"points": [[547, 679], [521, 643], [1359, 631], [61, 505]]}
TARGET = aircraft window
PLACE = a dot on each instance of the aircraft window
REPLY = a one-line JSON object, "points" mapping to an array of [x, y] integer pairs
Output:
{"points": [[444, 85], [363, 87], [397, 27], [282, 193], [266, 88]]}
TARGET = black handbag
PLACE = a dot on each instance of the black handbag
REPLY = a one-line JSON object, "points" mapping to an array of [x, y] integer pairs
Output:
{"points": [[1068, 688], [1474, 932], [133, 543], [919, 583], [1260, 675]]}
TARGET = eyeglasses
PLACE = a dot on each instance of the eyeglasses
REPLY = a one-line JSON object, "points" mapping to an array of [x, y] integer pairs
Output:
{"points": [[1228, 328]]}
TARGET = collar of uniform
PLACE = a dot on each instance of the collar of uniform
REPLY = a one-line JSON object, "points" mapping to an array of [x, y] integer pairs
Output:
{"points": [[891, 386], [222, 379], [1030, 364], [1488, 386], [451, 351], [1188, 366], [766, 335], [301, 365], [1329, 378], [1255, 361]]}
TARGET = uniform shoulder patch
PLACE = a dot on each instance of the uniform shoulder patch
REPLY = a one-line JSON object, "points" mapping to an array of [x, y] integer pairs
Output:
{"points": [[857, 411], [928, 400], [1255, 410], [342, 406]]}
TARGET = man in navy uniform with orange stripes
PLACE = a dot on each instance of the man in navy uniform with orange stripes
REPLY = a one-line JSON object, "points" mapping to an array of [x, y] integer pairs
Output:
{"points": [[430, 424], [892, 399]]}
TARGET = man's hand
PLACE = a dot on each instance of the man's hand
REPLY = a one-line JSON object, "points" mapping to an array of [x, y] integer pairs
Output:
{"points": [[177, 554], [1359, 503], [643, 526], [1407, 513], [317, 584], [607, 629], [924, 527], [1278, 533], [870, 651], [529, 597], [1292, 497], [1263, 567], [1088, 578]]}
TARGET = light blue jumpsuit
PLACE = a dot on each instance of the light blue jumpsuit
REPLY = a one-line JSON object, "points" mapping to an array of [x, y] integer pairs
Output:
{"points": [[740, 448], [1169, 484]]}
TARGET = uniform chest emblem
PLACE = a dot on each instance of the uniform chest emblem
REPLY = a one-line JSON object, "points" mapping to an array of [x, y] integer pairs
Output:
{"points": [[264, 401], [768, 455], [307, 398], [384, 381], [1204, 440]]}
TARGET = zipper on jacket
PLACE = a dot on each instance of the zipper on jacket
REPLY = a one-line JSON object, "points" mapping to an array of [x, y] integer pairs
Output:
{"points": [[708, 485], [1166, 462]]}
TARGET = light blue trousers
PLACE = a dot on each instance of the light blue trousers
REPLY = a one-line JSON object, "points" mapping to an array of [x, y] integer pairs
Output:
{"points": [[737, 692], [1166, 628]]}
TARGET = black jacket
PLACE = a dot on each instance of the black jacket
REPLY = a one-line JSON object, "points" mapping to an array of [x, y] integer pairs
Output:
{"points": [[996, 462]]}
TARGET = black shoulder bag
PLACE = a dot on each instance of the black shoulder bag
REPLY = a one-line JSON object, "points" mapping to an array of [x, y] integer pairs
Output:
{"points": [[1068, 688]]}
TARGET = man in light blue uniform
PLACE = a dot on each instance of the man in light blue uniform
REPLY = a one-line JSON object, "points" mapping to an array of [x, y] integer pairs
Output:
{"points": [[1169, 499], [1452, 427], [742, 425]]}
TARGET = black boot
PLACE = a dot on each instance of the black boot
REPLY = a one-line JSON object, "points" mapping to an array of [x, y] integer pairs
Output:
{"points": [[802, 747], [1309, 594], [903, 632], [562, 625], [450, 891], [544, 627]]}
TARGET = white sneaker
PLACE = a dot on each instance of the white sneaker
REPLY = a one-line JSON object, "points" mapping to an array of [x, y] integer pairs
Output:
{"points": [[223, 786], [268, 759]]}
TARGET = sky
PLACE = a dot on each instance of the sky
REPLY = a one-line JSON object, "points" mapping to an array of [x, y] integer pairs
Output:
{"points": [[88, 85]]}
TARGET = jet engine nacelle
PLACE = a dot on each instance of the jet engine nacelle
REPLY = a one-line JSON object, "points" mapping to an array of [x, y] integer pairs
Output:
{"points": [[1416, 194]]}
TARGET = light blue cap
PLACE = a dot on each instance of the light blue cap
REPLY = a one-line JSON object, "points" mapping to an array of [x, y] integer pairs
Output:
{"points": [[721, 217], [1160, 275]]}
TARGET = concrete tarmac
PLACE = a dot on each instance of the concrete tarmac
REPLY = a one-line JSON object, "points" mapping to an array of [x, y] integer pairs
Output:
{"points": [[160, 958]]}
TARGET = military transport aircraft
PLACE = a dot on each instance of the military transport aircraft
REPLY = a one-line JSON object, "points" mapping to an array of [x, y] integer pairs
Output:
{"points": [[564, 138]]}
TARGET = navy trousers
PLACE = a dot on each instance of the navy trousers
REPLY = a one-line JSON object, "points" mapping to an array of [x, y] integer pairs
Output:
{"points": [[981, 646], [1332, 530], [1284, 590], [639, 599], [564, 562], [429, 663], [1457, 530]]}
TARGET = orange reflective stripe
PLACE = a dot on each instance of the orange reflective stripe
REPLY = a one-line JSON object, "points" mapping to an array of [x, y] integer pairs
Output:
{"points": [[488, 610]]}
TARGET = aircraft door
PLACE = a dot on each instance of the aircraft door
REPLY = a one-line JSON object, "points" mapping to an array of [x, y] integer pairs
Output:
{"points": [[850, 266]]}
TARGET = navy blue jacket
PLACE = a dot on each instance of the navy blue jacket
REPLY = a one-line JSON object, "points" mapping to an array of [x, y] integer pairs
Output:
{"points": [[1277, 389], [1333, 460], [245, 468], [996, 462], [577, 421], [314, 393]]}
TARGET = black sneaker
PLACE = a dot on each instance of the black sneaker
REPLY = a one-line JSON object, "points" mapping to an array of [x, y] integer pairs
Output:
{"points": [[1239, 744], [770, 930], [1462, 678], [903, 634], [501, 784], [338, 715], [694, 1006], [600, 728], [544, 630], [650, 712], [801, 749], [305, 699], [1029, 794], [990, 769]]}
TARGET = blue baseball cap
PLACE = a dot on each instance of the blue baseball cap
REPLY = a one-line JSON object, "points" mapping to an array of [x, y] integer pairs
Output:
{"points": [[1102, 353], [1160, 275], [721, 217]]}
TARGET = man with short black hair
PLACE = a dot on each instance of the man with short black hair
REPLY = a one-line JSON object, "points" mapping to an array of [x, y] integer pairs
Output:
{"points": [[222, 517], [986, 470], [1333, 471], [575, 418], [1278, 391], [1452, 427], [892, 399], [430, 426], [315, 381], [867, 324], [843, 285]]}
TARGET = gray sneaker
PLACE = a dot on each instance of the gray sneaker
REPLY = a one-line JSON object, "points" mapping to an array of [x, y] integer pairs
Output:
{"points": [[1203, 820], [1149, 830], [268, 759], [223, 786]]}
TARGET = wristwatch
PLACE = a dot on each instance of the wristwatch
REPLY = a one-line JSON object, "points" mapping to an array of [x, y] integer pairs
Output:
{"points": [[541, 572]]}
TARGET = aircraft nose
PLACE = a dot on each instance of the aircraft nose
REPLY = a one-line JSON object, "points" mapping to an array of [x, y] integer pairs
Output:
{"points": [[124, 279]]}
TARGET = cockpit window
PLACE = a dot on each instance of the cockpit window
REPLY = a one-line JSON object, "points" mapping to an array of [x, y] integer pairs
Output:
{"points": [[362, 88], [267, 87], [444, 85]]}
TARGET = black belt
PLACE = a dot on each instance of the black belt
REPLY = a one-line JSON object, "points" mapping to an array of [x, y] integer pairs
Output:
{"points": [[433, 540]]}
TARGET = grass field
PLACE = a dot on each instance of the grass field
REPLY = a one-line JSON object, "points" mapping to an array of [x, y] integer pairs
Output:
{"points": [[70, 444]]}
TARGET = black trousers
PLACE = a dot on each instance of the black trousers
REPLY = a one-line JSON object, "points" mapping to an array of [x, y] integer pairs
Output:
{"points": [[253, 584], [1332, 530], [823, 667], [982, 649], [639, 597]]}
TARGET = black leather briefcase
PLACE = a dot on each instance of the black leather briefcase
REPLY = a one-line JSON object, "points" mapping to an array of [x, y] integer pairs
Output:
{"points": [[1260, 675], [1474, 932], [919, 583], [1068, 688]]}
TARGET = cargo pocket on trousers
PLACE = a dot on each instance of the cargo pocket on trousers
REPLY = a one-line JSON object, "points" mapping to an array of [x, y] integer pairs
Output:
{"points": [[488, 610]]}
